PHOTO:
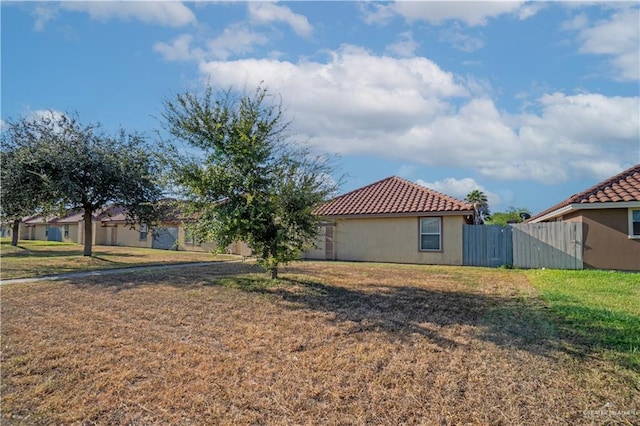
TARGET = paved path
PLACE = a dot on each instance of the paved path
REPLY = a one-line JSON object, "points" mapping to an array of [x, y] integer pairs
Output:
{"points": [[109, 272]]}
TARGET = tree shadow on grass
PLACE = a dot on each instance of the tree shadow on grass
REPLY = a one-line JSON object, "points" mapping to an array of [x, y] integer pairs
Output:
{"points": [[185, 276], [411, 309], [518, 322], [508, 321]]}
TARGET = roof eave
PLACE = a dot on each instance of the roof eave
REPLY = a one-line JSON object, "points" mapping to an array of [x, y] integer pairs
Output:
{"points": [[391, 215], [585, 206]]}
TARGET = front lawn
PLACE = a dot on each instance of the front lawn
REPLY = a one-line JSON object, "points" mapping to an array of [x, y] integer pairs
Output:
{"points": [[330, 343], [34, 258], [601, 309]]}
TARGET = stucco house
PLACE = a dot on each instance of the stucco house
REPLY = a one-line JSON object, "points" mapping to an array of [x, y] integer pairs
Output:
{"points": [[64, 229], [392, 220], [610, 215], [111, 228]]}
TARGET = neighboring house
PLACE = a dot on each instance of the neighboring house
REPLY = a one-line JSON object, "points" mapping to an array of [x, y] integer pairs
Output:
{"points": [[393, 220], [610, 217], [111, 228], [170, 234], [42, 228], [5, 230]]}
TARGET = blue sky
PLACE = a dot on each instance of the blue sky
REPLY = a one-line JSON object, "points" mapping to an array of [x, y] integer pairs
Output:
{"points": [[529, 102]]}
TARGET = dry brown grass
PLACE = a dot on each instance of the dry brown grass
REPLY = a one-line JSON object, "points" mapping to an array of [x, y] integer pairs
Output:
{"points": [[37, 258], [331, 343]]}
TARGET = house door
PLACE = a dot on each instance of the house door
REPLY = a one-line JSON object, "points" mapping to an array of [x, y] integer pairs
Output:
{"points": [[165, 238], [328, 242], [111, 236], [54, 234]]}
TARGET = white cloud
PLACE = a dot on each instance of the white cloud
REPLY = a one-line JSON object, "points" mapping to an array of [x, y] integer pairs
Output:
{"points": [[376, 13], [353, 91], [179, 49], [266, 13], [42, 15], [236, 39], [617, 37], [460, 188], [44, 113], [405, 47], [410, 110], [461, 41], [169, 13], [472, 13], [530, 8]]}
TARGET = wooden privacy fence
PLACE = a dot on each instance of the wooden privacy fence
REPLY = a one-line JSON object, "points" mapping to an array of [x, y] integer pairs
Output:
{"points": [[556, 245], [487, 245]]}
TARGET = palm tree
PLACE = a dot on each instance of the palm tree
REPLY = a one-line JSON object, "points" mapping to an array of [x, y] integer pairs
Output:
{"points": [[480, 205]]}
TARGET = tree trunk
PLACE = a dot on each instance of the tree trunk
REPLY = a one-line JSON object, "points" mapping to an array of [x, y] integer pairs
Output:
{"points": [[274, 273], [88, 232], [15, 232]]}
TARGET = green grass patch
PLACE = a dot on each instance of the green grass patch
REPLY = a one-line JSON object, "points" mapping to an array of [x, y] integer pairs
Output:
{"points": [[600, 308], [5, 243], [252, 283]]}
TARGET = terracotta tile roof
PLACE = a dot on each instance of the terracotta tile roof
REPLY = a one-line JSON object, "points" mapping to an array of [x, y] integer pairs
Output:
{"points": [[392, 195], [623, 187]]}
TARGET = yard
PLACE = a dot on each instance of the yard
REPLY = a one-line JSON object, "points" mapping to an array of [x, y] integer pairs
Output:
{"points": [[330, 343], [35, 258]]}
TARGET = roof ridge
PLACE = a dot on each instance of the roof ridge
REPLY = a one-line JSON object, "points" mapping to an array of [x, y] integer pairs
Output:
{"points": [[605, 183], [584, 195], [363, 187], [441, 194], [391, 195]]}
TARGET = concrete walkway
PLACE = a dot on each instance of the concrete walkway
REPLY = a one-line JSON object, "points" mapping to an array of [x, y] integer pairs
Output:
{"points": [[110, 272]]}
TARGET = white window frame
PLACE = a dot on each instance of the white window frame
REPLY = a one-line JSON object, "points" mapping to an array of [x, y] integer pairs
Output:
{"points": [[144, 230], [439, 234], [631, 221], [66, 230]]}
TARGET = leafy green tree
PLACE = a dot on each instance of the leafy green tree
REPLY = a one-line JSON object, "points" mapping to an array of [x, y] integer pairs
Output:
{"points": [[513, 214], [249, 182], [480, 206], [85, 168], [23, 191]]}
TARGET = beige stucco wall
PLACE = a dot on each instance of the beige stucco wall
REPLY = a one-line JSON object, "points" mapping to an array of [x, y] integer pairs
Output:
{"points": [[317, 251], [121, 234], [195, 246], [39, 232], [73, 233], [25, 232], [395, 239]]}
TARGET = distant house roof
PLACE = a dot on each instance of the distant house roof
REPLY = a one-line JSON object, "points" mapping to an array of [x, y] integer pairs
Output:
{"points": [[617, 191], [390, 196], [112, 214]]}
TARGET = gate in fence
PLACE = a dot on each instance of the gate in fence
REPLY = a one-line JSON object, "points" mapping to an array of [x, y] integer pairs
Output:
{"points": [[556, 245], [487, 245]]}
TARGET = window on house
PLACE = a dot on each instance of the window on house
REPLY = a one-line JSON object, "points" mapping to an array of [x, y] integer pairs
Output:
{"points": [[430, 233], [66, 231], [143, 232], [46, 230], [634, 223], [188, 236]]}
